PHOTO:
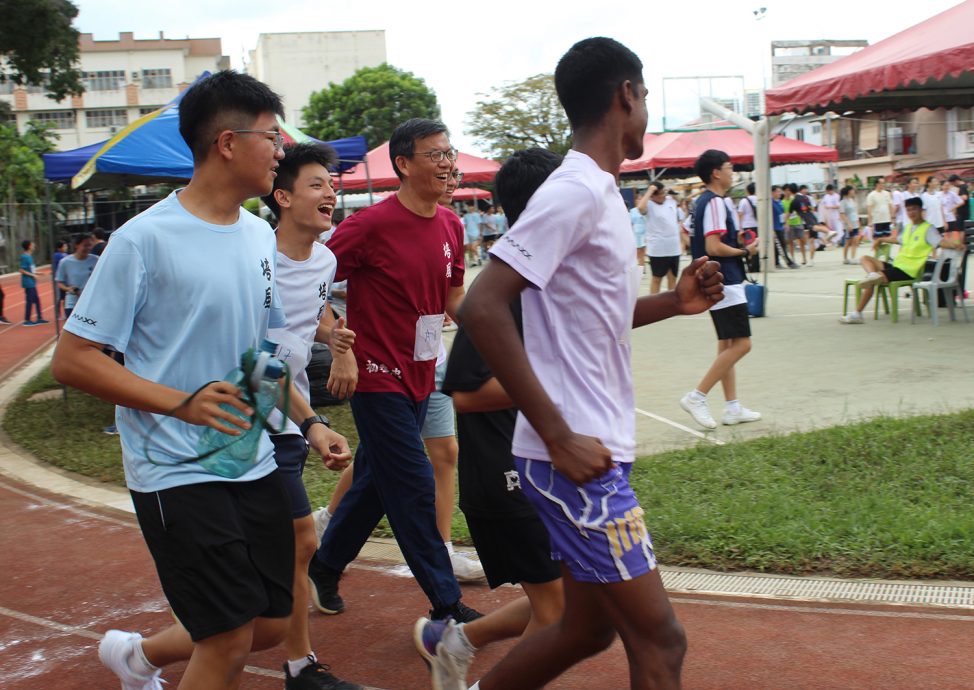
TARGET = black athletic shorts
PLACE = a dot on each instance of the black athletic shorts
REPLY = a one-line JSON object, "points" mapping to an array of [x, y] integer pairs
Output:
{"points": [[290, 454], [955, 225], [661, 265], [731, 322], [513, 550], [224, 551], [882, 229], [893, 273]]}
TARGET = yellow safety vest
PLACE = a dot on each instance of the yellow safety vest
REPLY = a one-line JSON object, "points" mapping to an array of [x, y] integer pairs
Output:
{"points": [[914, 249]]}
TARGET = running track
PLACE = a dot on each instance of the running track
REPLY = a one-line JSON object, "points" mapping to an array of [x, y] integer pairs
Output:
{"points": [[18, 342], [69, 572]]}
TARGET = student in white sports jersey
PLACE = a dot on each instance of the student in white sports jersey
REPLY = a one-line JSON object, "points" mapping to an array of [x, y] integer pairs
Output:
{"points": [[303, 200], [933, 211]]}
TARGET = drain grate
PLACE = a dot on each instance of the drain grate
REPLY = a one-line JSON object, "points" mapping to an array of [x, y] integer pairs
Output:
{"points": [[881, 592]]}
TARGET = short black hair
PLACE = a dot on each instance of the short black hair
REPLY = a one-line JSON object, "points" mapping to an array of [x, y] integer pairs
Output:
{"points": [[403, 139], [709, 160], [81, 237], [775, 186], [914, 201], [60, 243], [296, 156], [845, 190], [588, 75], [102, 234], [793, 188], [750, 188], [519, 178], [829, 188], [955, 178], [223, 100], [25, 245]]}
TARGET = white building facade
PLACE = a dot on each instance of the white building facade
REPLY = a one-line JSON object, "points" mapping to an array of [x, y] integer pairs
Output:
{"points": [[124, 79], [295, 65]]}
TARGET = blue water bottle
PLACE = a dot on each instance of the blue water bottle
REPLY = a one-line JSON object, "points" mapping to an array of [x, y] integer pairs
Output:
{"points": [[259, 377]]}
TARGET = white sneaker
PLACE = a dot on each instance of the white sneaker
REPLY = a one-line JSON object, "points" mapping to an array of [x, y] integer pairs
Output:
{"points": [[447, 671], [115, 649], [871, 279], [742, 416], [321, 518], [699, 411], [466, 567], [851, 318]]}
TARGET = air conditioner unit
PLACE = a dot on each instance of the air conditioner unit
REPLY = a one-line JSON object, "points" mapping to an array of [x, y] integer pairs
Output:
{"points": [[964, 142], [136, 76]]}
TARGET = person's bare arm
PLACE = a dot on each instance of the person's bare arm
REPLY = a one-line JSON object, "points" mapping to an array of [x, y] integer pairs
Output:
{"points": [[643, 202], [326, 442], [490, 397], [487, 317], [699, 288], [454, 298], [81, 364], [343, 376]]}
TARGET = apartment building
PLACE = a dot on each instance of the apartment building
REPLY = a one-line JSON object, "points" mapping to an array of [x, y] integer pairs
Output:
{"points": [[124, 79]]}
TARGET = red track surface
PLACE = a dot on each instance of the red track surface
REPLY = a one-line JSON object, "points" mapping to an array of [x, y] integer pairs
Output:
{"points": [[68, 573]]}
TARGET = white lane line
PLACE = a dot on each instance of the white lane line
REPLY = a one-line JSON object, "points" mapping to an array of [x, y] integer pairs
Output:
{"points": [[677, 425], [816, 609], [74, 509]]}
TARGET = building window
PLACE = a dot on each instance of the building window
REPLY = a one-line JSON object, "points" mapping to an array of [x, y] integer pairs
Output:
{"points": [[800, 134], [6, 85], [156, 78], [38, 88], [61, 119], [109, 117], [146, 109], [816, 129], [105, 80], [965, 119]]}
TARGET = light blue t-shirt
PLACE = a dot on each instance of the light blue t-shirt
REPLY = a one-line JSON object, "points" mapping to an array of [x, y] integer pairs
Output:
{"points": [[75, 272], [500, 221], [27, 263], [182, 298], [471, 224]]}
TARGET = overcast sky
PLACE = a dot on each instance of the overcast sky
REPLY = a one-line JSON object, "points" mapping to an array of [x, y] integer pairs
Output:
{"points": [[464, 48]]}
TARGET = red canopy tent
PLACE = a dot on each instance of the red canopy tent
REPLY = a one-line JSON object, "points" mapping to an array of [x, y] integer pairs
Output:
{"points": [[378, 168], [470, 193], [680, 149], [930, 65]]}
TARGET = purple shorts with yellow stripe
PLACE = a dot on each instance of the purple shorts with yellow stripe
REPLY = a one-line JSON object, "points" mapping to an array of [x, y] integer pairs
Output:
{"points": [[596, 529]]}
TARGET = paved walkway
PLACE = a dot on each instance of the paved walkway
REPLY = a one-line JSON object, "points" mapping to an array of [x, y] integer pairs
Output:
{"points": [[74, 563]]}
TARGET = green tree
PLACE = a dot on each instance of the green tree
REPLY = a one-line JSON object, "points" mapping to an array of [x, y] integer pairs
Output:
{"points": [[40, 45], [519, 115], [21, 165], [371, 102]]}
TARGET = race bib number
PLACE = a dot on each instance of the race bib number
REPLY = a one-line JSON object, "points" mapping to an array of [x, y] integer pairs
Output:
{"points": [[429, 328]]}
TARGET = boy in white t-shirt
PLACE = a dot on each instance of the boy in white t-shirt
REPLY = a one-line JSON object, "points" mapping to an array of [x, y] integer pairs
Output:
{"points": [[571, 378], [303, 200], [183, 289]]}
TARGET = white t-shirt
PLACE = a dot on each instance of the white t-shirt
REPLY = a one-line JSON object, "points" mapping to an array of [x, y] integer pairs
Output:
{"points": [[932, 210], [579, 348], [662, 228], [745, 209], [877, 204], [948, 202], [899, 200], [715, 221], [303, 287], [830, 208], [183, 299]]}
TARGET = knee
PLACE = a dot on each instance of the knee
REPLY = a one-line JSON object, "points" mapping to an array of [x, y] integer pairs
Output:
{"points": [[269, 633], [592, 640], [305, 545], [671, 642], [743, 346]]}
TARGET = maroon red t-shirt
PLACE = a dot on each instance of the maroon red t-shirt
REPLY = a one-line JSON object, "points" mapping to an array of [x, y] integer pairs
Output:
{"points": [[399, 267]]}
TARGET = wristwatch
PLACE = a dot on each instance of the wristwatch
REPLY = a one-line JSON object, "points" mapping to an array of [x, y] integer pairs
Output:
{"points": [[311, 421]]}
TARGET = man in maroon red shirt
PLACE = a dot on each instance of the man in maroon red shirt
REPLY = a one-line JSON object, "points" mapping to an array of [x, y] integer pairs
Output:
{"points": [[403, 260]]}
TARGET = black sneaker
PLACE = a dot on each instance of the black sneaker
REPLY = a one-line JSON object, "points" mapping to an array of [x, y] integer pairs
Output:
{"points": [[459, 612], [315, 676], [324, 588]]}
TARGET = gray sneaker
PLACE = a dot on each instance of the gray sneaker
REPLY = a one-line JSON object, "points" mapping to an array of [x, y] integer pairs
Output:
{"points": [[448, 671], [699, 410]]}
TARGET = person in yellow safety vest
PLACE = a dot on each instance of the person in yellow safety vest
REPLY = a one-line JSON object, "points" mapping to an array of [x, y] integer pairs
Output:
{"points": [[917, 241]]}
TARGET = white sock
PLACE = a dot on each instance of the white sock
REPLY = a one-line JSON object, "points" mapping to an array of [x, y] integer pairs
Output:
{"points": [[294, 667], [449, 547], [456, 642], [328, 513], [732, 406], [697, 396], [138, 663]]}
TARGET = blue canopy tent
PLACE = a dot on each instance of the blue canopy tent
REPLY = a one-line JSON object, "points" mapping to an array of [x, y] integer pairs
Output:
{"points": [[151, 150]]}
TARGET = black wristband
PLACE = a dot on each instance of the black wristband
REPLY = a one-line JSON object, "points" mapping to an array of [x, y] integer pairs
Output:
{"points": [[310, 421]]}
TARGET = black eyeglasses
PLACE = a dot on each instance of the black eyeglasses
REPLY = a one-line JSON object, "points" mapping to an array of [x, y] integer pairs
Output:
{"points": [[457, 175], [437, 155], [278, 137]]}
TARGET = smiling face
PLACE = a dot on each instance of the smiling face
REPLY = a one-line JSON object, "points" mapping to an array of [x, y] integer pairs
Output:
{"points": [[255, 156], [426, 178], [312, 200], [451, 186]]}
